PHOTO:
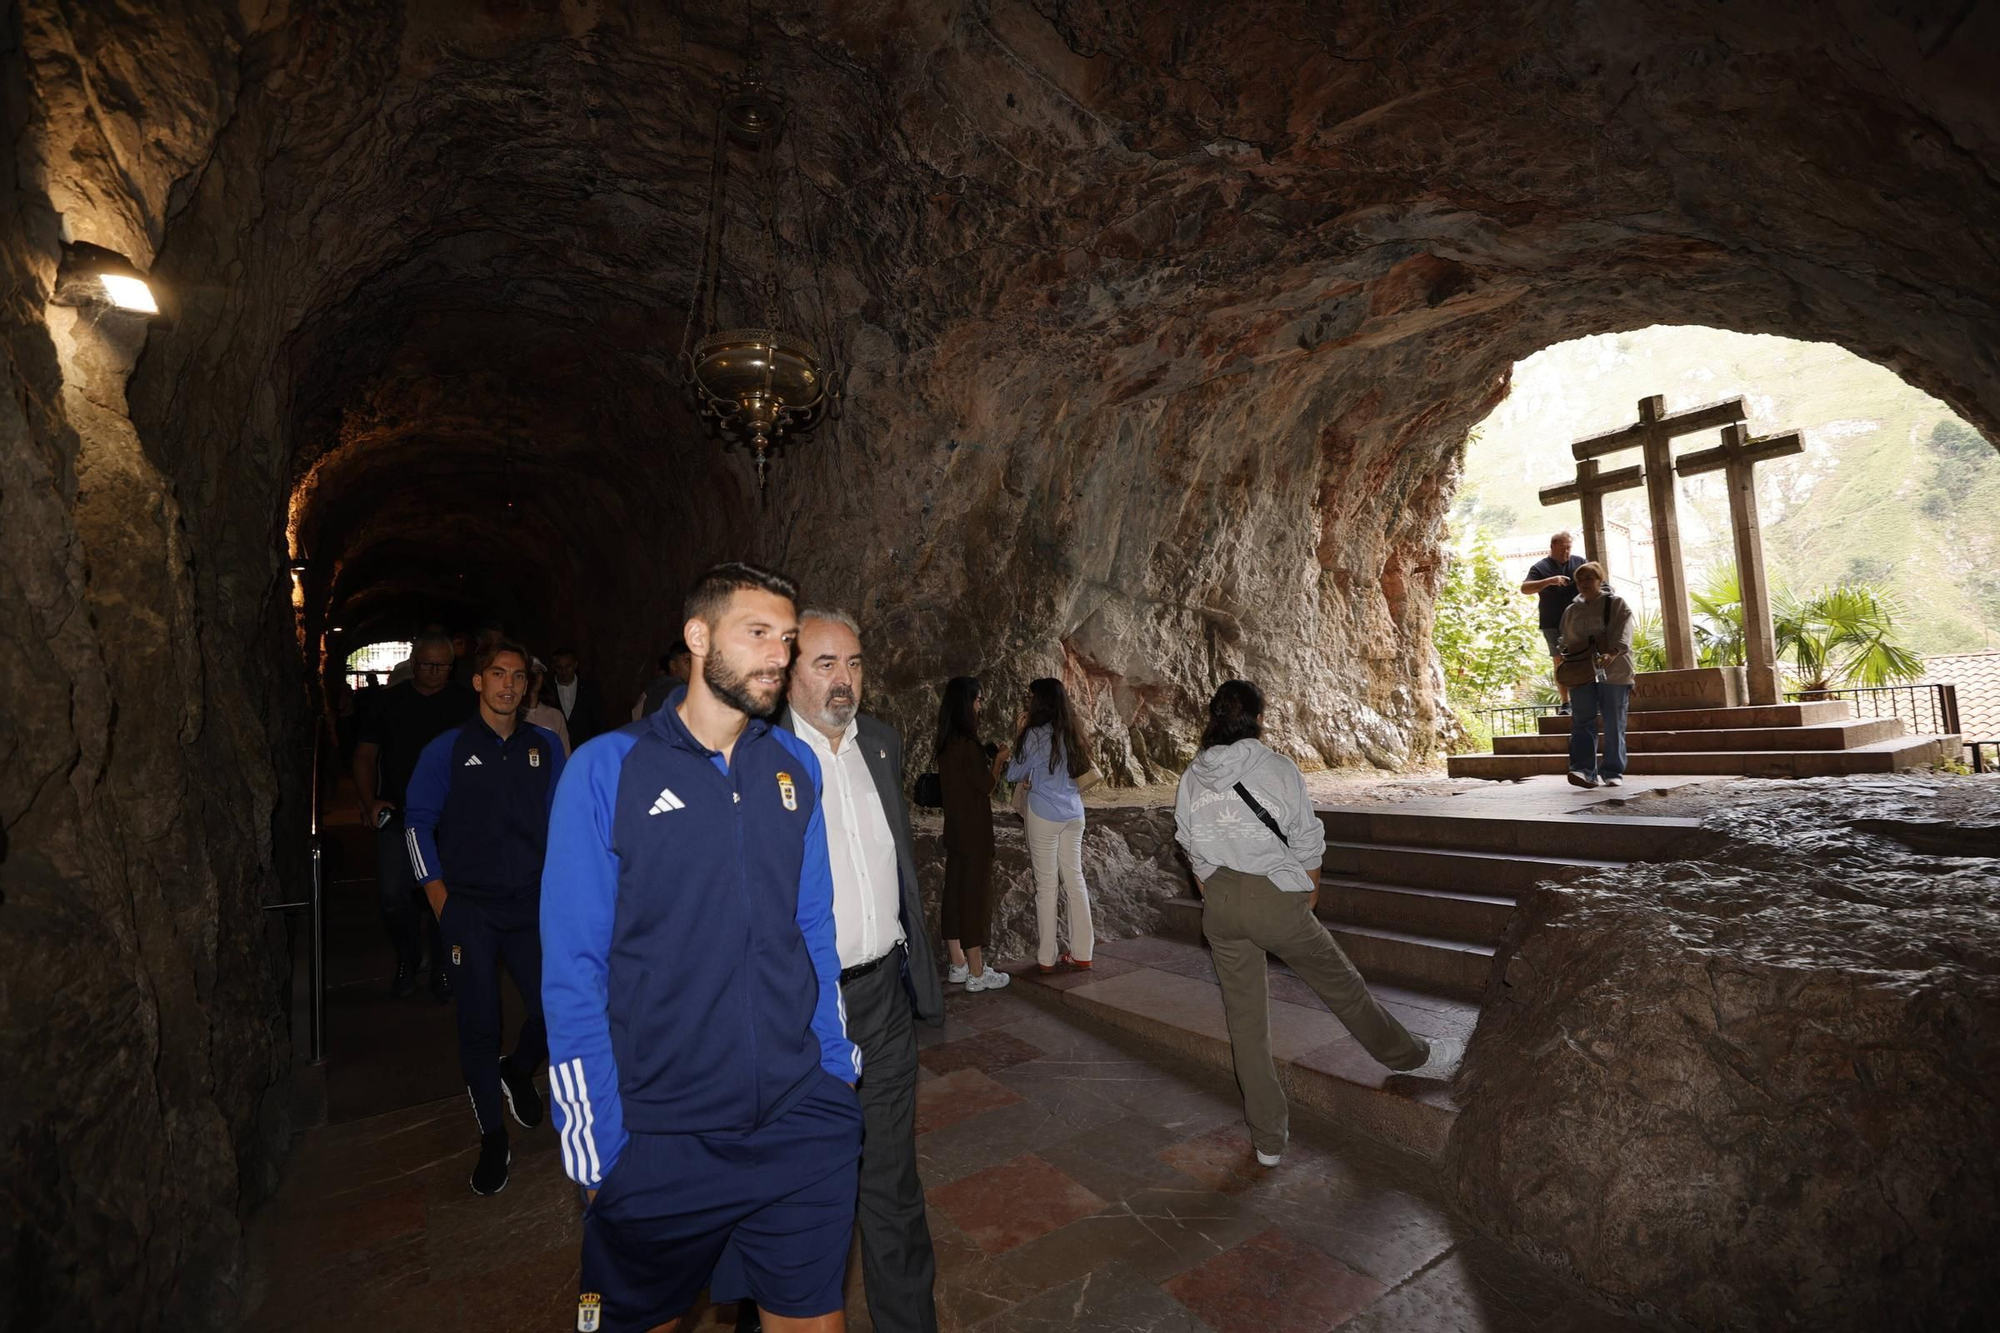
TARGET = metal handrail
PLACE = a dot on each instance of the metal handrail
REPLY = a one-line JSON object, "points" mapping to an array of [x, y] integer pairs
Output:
{"points": [[1941, 706], [316, 961]]}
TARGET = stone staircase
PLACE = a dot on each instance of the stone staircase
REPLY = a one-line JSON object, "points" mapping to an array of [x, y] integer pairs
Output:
{"points": [[1419, 899], [1771, 740]]}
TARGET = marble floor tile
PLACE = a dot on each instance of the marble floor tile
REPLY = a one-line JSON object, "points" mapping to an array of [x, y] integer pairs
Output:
{"points": [[1068, 978], [1111, 1299], [1115, 1159], [1272, 1283], [982, 1050], [949, 1098], [1222, 1159], [1010, 1204]]}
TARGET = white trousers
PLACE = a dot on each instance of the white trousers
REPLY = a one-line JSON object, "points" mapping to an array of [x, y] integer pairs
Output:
{"points": [[1055, 846]]}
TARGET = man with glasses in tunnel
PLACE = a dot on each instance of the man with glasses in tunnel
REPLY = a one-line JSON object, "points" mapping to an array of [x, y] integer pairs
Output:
{"points": [[478, 820], [392, 733], [699, 1059]]}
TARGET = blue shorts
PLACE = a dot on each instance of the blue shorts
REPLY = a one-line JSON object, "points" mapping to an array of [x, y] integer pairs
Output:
{"points": [[765, 1215]]}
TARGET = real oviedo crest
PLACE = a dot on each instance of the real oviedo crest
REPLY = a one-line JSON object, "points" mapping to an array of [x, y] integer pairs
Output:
{"points": [[788, 793], [534, 756]]}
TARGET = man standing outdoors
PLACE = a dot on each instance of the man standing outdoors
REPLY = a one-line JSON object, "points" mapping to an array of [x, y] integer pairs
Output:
{"points": [[1553, 580], [478, 828], [392, 733], [888, 972], [700, 1064], [577, 698]]}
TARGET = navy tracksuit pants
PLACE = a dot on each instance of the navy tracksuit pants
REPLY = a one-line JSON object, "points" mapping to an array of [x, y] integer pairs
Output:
{"points": [[480, 936]]}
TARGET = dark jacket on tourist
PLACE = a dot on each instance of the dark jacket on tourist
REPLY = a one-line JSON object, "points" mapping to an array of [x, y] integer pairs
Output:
{"points": [[966, 775]]}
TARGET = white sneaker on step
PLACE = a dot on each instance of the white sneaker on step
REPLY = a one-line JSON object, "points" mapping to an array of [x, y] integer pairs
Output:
{"points": [[991, 979], [959, 972], [1269, 1158], [1446, 1053], [1611, 782]]}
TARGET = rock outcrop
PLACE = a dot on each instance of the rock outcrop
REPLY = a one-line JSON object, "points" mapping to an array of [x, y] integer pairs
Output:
{"points": [[1759, 1089]]}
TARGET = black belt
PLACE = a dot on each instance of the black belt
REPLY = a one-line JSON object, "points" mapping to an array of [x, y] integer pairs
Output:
{"points": [[860, 970]]}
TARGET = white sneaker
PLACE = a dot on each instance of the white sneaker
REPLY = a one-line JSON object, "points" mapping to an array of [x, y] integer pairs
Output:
{"points": [[1578, 778], [991, 979], [959, 972], [1611, 782], [1269, 1158], [1446, 1052]]}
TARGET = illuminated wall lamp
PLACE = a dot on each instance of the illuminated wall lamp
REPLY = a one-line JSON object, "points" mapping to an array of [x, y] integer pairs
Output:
{"points": [[92, 276]]}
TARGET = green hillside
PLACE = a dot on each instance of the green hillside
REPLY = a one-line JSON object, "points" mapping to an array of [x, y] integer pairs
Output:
{"points": [[1892, 487]]}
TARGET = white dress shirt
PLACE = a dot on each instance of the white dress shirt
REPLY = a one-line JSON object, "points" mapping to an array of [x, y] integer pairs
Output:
{"points": [[867, 898], [566, 696]]}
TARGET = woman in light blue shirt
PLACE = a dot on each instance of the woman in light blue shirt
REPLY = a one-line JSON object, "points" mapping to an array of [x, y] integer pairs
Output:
{"points": [[1050, 754]]}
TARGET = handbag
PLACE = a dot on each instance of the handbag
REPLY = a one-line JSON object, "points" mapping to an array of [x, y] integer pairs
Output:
{"points": [[1580, 668], [1019, 800], [929, 793], [1087, 779]]}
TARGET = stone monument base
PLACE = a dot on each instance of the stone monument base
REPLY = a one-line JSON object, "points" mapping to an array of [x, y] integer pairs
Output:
{"points": [[1703, 687]]}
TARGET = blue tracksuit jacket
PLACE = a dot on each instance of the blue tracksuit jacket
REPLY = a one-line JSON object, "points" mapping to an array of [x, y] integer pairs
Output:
{"points": [[477, 811], [689, 973]]}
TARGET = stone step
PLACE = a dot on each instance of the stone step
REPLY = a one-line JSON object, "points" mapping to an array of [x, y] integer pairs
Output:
{"points": [[1626, 838], [1881, 757], [1431, 962], [1846, 735], [1453, 868], [1163, 993], [1449, 913], [1723, 719]]}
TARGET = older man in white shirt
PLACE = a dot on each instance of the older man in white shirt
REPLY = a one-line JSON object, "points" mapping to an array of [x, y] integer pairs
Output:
{"points": [[888, 975]]}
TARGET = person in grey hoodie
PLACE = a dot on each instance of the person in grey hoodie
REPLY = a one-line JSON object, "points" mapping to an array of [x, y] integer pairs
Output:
{"points": [[1246, 822]]}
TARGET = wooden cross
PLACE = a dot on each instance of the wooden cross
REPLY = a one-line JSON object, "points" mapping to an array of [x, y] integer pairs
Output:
{"points": [[1591, 487], [1737, 456], [1655, 434]]}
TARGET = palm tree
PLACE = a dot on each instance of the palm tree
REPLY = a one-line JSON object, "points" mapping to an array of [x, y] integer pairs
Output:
{"points": [[1718, 617], [1842, 635]]}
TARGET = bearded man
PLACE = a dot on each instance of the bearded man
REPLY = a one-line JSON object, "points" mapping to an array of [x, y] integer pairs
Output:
{"points": [[700, 1065], [888, 974]]}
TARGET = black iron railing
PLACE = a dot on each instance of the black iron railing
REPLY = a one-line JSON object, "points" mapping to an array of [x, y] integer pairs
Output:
{"points": [[1514, 719], [1929, 708]]}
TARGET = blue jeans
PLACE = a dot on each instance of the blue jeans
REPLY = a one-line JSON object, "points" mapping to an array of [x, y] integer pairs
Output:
{"points": [[1585, 703]]}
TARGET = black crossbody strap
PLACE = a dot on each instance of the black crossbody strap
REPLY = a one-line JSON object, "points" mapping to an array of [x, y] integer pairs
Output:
{"points": [[1262, 813]]}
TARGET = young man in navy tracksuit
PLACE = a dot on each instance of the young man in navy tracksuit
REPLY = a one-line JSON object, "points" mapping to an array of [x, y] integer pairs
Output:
{"points": [[700, 1065], [478, 823]]}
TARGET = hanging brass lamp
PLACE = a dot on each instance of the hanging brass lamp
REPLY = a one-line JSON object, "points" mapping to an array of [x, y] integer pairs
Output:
{"points": [[754, 386]]}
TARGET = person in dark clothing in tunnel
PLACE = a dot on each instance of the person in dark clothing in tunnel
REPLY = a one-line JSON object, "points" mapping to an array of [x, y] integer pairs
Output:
{"points": [[479, 826], [577, 699], [392, 732]]}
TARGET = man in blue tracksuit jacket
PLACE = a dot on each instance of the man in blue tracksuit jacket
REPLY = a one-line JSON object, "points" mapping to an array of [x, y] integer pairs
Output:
{"points": [[699, 1059], [477, 821]]}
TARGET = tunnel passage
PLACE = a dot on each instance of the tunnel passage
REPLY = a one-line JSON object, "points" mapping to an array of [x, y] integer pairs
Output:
{"points": [[1165, 324]]}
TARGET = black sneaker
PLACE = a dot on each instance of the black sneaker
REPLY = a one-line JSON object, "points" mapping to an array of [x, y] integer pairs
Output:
{"points": [[440, 985], [524, 1102], [490, 1176], [405, 982]]}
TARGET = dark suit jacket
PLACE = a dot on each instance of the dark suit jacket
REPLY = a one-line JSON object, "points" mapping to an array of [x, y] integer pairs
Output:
{"points": [[586, 715], [882, 748]]}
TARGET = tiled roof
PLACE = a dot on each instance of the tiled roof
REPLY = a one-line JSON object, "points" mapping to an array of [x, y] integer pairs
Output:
{"points": [[1977, 676]]}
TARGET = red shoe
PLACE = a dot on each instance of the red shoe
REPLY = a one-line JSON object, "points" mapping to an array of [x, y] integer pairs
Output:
{"points": [[1083, 963], [1046, 968]]}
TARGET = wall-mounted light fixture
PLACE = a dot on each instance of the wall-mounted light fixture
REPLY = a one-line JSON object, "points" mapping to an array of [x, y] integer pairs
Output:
{"points": [[92, 276]]}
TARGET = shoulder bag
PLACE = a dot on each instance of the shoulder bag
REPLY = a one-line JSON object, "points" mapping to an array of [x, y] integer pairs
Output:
{"points": [[1262, 814], [1580, 668]]}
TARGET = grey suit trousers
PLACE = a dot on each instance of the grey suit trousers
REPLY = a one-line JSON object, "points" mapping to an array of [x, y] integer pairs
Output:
{"points": [[896, 1260]]}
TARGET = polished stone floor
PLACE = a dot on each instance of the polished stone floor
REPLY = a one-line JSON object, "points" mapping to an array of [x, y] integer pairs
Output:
{"points": [[1075, 1182]]}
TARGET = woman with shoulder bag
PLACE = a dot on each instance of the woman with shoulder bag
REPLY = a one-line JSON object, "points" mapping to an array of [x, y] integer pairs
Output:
{"points": [[967, 777], [1596, 644], [1052, 754], [1247, 824]]}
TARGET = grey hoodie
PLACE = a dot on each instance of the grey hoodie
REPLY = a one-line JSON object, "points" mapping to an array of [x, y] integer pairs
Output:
{"points": [[1215, 828]]}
